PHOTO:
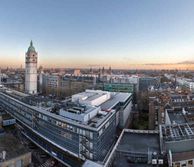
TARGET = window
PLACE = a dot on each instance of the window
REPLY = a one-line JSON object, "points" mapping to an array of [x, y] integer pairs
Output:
{"points": [[58, 123], [183, 165], [64, 125], [84, 132], [91, 156], [80, 131], [91, 145], [107, 124], [190, 163], [91, 135], [177, 164], [100, 132]]}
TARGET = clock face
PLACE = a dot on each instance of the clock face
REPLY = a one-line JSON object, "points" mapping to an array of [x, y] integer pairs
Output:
{"points": [[31, 58]]}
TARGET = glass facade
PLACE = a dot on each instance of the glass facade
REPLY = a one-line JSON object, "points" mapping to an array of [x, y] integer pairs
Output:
{"points": [[119, 87]]}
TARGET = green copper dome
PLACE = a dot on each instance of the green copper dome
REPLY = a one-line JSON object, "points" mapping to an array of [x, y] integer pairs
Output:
{"points": [[31, 47]]}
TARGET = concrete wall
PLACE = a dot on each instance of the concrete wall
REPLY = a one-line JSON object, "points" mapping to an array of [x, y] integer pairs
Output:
{"points": [[125, 115], [167, 119]]}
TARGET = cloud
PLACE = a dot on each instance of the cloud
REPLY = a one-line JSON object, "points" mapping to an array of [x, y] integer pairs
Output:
{"points": [[186, 62]]}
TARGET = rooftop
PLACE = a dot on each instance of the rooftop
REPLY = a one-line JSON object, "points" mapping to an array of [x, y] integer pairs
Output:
{"points": [[13, 93], [73, 112], [137, 142], [182, 99], [115, 99], [85, 114], [92, 97], [89, 163], [124, 162], [179, 115], [136, 148], [178, 132], [107, 100], [176, 117]]}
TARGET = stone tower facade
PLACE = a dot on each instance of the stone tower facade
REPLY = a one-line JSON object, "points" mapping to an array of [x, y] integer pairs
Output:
{"points": [[31, 70]]}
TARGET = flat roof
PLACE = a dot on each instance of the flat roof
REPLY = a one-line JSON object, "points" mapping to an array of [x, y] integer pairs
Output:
{"points": [[123, 162], [135, 143], [92, 95], [12, 146], [114, 100], [181, 115], [176, 117], [139, 142], [89, 163]]}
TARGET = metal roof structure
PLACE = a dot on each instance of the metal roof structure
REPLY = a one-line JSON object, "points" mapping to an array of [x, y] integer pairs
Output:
{"points": [[178, 132], [115, 99]]}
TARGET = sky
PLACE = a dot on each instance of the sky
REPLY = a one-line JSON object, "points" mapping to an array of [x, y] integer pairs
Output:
{"points": [[94, 33]]}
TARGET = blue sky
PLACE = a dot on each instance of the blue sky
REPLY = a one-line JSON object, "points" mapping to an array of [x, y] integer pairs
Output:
{"points": [[84, 33]]}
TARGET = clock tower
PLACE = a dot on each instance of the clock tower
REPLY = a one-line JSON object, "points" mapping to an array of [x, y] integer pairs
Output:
{"points": [[31, 70]]}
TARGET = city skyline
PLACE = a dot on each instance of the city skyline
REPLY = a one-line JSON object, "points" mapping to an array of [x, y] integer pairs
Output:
{"points": [[84, 34]]}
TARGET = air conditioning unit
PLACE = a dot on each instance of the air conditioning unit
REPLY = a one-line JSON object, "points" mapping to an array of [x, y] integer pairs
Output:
{"points": [[160, 161], [154, 161]]}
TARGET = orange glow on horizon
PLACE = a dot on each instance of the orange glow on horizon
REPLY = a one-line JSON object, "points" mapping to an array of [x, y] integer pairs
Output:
{"points": [[82, 63], [12, 64]]}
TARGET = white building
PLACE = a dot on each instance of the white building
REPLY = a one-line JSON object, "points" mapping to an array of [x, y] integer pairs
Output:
{"points": [[121, 102], [188, 83], [31, 70], [91, 97]]}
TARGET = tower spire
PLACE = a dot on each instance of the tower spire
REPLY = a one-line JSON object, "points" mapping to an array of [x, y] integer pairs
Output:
{"points": [[31, 43], [31, 47]]}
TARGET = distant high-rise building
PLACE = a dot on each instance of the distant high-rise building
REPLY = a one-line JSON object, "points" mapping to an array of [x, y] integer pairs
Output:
{"points": [[110, 70], [91, 70], [103, 70], [31, 70]]}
